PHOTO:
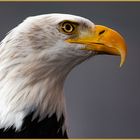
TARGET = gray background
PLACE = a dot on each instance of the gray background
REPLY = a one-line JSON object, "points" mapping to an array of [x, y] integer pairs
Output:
{"points": [[102, 99]]}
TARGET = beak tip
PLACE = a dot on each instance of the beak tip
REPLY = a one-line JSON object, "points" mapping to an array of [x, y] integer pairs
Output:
{"points": [[121, 64], [122, 61]]}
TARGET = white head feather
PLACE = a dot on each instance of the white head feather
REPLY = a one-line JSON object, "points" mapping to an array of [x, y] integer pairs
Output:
{"points": [[34, 62]]}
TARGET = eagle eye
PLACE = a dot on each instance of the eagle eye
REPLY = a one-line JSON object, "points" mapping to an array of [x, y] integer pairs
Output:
{"points": [[68, 27]]}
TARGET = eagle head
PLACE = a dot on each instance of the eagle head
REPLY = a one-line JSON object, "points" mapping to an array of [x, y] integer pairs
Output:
{"points": [[37, 55]]}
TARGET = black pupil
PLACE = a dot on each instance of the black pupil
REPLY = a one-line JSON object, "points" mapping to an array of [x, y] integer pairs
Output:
{"points": [[68, 27]]}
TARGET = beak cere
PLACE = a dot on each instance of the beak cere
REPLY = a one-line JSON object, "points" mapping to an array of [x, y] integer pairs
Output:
{"points": [[103, 40]]}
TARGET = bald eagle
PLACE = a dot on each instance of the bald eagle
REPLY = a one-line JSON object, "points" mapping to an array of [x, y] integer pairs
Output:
{"points": [[35, 59]]}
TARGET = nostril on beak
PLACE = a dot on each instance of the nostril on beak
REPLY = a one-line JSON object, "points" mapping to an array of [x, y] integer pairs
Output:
{"points": [[101, 32]]}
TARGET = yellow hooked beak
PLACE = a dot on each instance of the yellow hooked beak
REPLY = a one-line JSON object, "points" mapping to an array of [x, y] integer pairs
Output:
{"points": [[103, 40]]}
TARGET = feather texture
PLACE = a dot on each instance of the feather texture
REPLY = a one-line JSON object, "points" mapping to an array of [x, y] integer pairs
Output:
{"points": [[34, 62]]}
